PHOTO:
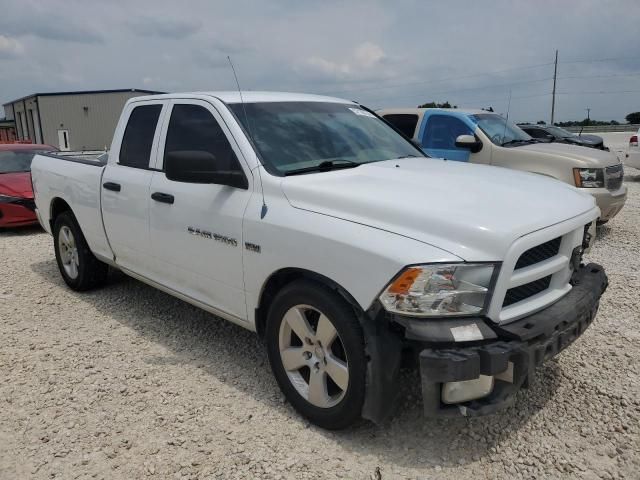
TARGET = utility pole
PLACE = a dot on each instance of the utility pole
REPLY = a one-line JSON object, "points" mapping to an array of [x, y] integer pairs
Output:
{"points": [[588, 116], [553, 95]]}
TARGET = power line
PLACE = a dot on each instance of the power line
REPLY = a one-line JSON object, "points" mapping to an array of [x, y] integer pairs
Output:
{"points": [[489, 73], [479, 74], [484, 87], [634, 74], [600, 92], [426, 82], [599, 60]]}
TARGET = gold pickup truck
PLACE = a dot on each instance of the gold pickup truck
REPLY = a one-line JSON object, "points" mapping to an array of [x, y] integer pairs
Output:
{"points": [[478, 136]]}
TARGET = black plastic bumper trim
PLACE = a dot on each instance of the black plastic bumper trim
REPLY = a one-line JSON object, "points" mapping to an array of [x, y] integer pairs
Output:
{"points": [[525, 344]]}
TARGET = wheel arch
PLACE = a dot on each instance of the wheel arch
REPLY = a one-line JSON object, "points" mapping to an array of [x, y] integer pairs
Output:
{"points": [[280, 278], [58, 206]]}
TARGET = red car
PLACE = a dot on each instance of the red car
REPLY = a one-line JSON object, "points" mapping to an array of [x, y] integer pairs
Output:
{"points": [[16, 193]]}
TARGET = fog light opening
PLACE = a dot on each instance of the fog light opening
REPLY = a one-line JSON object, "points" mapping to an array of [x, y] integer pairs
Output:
{"points": [[458, 392]]}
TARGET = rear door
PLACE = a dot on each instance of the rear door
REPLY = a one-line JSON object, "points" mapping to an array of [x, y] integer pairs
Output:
{"points": [[196, 228], [125, 185], [438, 134]]}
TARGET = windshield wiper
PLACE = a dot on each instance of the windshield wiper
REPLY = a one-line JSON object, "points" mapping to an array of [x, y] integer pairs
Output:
{"points": [[411, 155], [515, 140], [325, 166]]}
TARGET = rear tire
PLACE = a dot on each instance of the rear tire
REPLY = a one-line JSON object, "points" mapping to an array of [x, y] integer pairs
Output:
{"points": [[315, 346], [79, 268]]}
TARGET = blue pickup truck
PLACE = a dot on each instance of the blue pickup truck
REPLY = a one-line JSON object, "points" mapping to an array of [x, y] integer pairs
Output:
{"points": [[478, 136]]}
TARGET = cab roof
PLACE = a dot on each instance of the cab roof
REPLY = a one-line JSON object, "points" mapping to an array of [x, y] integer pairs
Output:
{"points": [[233, 96], [463, 111]]}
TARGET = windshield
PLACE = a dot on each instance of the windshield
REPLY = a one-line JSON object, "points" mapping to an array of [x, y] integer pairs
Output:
{"points": [[291, 136], [559, 132], [499, 130], [18, 161]]}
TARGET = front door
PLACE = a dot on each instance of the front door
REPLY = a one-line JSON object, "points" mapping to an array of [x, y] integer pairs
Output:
{"points": [[438, 136], [196, 228], [125, 187]]}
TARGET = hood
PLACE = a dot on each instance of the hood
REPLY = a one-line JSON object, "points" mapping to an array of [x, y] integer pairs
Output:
{"points": [[472, 211], [581, 157], [16, 184], [590, 139]]}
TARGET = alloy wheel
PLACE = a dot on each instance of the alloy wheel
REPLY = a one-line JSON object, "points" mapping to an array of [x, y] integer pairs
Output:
{"points": [[313, 356], [68, 252]]}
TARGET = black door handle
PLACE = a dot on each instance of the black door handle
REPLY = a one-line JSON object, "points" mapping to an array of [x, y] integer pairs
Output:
{"points": [[162, 197], [114, 187]]}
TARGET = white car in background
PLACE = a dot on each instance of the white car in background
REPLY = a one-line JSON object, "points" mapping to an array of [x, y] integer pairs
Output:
{"points": [[633, 153]]}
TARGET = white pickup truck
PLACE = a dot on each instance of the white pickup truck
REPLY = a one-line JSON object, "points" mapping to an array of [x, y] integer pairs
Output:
{"points": [[311, 221]]}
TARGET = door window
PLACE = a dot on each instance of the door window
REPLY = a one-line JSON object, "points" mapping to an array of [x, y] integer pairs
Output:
{"points": [[536, 132], [138, 136], [442, 130], [405, 122], [193, 128]]}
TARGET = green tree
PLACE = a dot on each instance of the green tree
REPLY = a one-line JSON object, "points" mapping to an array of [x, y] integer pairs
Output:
{"points": [[633, 117], [437, 105]]}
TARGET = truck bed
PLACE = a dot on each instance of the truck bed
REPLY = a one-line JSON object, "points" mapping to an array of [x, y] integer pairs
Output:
{"points": [[73, 178], [91, 157]]}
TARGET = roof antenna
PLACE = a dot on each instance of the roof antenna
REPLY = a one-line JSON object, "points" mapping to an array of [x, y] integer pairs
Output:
{"points": [[263, 212], [507, 120]]}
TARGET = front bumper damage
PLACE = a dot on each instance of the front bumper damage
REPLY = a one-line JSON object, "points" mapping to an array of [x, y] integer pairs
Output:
{"points": [[509, 353]]}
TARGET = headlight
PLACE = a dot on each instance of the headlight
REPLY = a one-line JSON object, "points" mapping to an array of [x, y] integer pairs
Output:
{"points": [[589, 177], [440, 290]]}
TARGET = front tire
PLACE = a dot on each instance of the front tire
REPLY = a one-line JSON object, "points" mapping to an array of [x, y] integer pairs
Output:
{"points": [[315, 346], [79, 268]]}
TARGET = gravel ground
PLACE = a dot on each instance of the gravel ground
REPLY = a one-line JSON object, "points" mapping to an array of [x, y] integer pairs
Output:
{"points": [[127, 382]]}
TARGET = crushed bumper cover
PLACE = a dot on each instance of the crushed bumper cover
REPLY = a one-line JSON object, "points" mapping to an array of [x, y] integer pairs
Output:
{"points": [[515, 351]]}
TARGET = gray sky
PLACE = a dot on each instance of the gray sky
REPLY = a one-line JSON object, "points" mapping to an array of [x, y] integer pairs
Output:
{"points": [[381, 53]]}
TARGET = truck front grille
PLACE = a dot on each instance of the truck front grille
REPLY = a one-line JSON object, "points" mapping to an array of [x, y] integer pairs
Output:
{"points": [[540, 253], [613, 177], [518, 294], [536, 271]]}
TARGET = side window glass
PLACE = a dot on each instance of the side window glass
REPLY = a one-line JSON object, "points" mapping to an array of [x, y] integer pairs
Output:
{"points": [[404, 122], [442, 130], [192, 128], [137, 141], [536, 132]]}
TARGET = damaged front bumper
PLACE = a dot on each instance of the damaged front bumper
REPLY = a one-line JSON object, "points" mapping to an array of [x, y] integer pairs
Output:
{"points": [[501, 364]]}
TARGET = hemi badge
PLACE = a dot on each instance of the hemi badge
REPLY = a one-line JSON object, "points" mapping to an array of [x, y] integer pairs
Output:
{"points": [[252, 247]]}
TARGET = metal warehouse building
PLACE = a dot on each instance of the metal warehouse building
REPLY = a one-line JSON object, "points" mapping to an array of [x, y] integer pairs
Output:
{"points": [[70, 120]]}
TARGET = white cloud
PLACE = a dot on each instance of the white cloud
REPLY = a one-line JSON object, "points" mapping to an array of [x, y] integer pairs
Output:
{"points": [[365, 56], [368, 54], [10, 47], [171, 28], [367, 50]]}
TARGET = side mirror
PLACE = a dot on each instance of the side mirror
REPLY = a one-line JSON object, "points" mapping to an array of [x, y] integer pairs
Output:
{"points": [[197, 166], [469, 142]]}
